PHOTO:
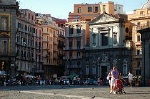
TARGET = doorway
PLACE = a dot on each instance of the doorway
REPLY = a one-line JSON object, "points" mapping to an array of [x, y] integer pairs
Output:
{"points": [[103, 71]]}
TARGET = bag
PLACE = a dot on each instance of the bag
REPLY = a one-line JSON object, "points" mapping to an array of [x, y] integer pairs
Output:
{"points": [[108, 78]]}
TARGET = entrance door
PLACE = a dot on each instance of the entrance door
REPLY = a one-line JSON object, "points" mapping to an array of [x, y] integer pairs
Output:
{"points": [[103, 71]]}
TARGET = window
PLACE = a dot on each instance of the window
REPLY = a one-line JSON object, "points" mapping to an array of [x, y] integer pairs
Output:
{"points": [[25, 27], [94, 70], [138, 52], [70, 44], [138, 64], [70, 55], [70, 30], [96, 9], [104, 8], [104, 39], [127, 30], [78, 29], [87, 69], [94, 39], [115, 39], [138, 38], [79, 10], [141, 13], [89, 9], [17, 38], [19, 25], [78, 54], [88, 19], [148, 23], [78, 44]]}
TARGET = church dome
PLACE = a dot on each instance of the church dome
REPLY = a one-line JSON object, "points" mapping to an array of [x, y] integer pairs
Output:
{"points": [[146, 5]]}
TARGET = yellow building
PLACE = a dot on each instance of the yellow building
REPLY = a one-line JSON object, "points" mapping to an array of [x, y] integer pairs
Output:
{"points": [[140, 18]]}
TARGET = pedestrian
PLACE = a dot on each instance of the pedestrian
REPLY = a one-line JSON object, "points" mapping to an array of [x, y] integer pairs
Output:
{"points": [[130, 78], [114, 76], [120, 76], [109, 80]]}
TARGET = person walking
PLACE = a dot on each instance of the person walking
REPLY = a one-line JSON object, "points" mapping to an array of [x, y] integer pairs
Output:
{"points": [[114, 76], [109, 80], [130, 78]]}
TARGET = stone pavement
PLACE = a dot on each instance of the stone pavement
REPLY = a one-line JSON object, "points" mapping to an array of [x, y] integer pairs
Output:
{"points": [[71, 92]]}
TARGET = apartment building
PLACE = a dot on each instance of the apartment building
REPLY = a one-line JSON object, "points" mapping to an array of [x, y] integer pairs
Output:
{"points": [[74, 44], [52, 39], [28, 43], [140, 18], [87, 12]]}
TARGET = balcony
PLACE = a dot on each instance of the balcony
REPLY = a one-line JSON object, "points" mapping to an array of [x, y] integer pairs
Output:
{"points": [[138, 43], [137, 56], [73, 48], [74, 35]]}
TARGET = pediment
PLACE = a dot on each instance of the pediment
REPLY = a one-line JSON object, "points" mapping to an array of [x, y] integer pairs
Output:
{"points": [[104, 18]]}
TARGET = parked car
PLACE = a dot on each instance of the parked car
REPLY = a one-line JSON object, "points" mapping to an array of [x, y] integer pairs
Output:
{"points": [[90, 82], [65, 81]]}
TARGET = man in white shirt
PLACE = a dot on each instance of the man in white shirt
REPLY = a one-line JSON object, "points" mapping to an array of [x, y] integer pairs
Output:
{"points": [[130, 78]]}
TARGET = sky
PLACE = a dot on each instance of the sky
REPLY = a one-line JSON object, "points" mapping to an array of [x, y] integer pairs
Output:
{"points": [[61, 8]]}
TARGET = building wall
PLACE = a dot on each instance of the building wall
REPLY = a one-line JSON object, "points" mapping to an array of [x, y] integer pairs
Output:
{"points": [[74, 43], [28, 36], [145, 69], [107, 7], [84, 15], [100, 57], [7, 36], [139, 18]]}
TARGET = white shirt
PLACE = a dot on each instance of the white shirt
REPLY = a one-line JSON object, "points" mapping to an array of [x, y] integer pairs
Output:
{"points": [[130, 76]]}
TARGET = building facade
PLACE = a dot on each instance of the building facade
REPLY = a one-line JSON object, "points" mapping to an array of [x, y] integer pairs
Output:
{"points": [[28, 43], [74, 43], [139, 18], [8, 11], [52, 37], [78, 35], [108, 46], [87, 12], [145, 69]]}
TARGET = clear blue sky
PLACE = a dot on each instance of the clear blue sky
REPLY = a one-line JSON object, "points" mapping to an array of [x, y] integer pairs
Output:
{"points": [[61, 8]]}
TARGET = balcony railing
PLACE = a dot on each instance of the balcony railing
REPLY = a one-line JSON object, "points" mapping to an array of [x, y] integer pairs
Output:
{"points": [[74, 35], [138, 43], [72, 48], [137, 56]]}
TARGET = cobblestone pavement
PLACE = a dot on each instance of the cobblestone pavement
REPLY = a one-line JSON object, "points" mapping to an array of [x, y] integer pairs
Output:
{"points": [[71, 92]]}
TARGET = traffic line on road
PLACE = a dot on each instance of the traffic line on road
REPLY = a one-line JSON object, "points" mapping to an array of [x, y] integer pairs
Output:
{"points": [[68, 96]]}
